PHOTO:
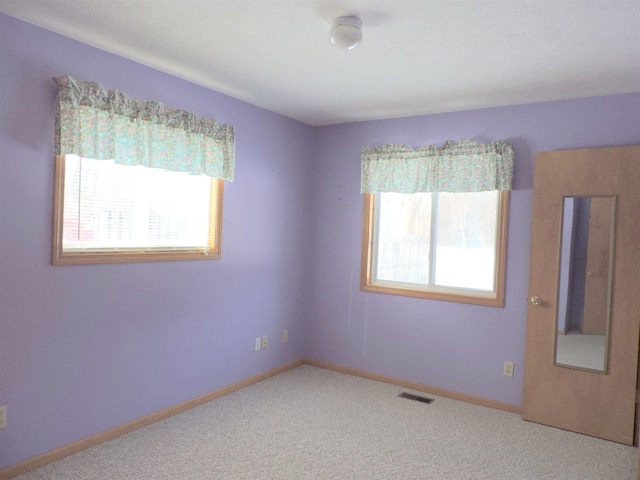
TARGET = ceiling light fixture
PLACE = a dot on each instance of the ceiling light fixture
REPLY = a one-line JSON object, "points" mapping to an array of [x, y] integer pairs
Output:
{"points": [[346, 32]]}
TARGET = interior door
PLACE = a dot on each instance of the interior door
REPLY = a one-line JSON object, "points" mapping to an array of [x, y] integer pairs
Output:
{"points": [[594, 313], [583, 400]]}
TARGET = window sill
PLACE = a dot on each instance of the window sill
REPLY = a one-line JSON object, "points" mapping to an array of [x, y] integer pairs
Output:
{"points": [[490, 299], [124, 257]]}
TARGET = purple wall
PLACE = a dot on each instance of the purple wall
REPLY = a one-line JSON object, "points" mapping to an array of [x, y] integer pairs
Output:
{"points": [[565, 265], [86, 348], [447, 345], [578, 271]]}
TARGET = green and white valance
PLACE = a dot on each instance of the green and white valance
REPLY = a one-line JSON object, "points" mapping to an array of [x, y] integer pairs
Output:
{"points": [[467, 166], [92, 122]]}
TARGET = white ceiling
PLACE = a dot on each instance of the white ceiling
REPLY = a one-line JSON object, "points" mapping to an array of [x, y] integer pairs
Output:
{"points": [[417, 56]]}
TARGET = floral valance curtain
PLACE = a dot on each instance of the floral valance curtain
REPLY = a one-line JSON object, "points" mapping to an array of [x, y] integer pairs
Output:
{"points": [[467, 166], [92, 122]]}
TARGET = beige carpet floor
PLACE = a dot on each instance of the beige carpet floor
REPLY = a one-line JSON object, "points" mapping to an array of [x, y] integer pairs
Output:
{"points": [[587, 351], [311, 423]]}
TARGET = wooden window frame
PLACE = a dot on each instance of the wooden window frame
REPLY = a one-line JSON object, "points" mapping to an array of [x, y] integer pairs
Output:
{"points": [[77, 258], [434, 292]]}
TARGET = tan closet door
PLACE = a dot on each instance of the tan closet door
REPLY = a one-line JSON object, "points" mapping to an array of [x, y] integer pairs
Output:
{"points": [[574, 398]]}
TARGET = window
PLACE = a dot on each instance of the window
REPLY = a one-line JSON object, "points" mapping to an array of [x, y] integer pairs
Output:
{"points": [[435, 220], [105, 212], [136, 180], [446, 246]]}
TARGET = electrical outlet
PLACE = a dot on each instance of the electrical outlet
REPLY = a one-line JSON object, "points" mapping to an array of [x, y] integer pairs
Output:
{"points": [[285, 336], [3, 417], [508, 369], [264, 342], [257, 345]]}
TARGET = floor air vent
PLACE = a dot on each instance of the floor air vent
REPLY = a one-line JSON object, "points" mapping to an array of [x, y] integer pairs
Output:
{"points": [[411, 396]]}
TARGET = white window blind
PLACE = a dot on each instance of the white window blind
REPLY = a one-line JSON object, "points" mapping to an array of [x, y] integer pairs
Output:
{"points": [[112, 208]]}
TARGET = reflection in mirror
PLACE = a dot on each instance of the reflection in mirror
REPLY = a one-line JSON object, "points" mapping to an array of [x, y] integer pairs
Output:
{"points": [[584, 294]]}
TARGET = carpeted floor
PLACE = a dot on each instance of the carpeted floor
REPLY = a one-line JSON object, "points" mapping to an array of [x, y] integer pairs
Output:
{"points": [[311, 423], [587, 351]]}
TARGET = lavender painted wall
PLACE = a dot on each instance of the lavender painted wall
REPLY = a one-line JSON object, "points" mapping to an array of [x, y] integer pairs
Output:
{"points": [[565, 265], [447, 345], [578, 271], [87, 348]]}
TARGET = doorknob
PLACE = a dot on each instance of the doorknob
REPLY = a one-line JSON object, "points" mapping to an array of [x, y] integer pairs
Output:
{"points": [[591, 274], [536, 301]]}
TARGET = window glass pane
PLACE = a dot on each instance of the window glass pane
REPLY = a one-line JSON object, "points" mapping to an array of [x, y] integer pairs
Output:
{"points": [[111, 207], [465, 240], [443, 246], [403, 237]]}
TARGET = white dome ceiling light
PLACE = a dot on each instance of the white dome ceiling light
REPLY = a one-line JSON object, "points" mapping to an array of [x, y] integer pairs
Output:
{"points": [[346, 32]]}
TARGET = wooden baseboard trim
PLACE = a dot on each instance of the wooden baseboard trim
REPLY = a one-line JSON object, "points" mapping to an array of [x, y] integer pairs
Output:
{"points": [[75, 447], [485, 402], [53, 455]]}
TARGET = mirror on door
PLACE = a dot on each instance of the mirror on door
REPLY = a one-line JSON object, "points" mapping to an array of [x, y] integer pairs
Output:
{"points": [[584, 297]]}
